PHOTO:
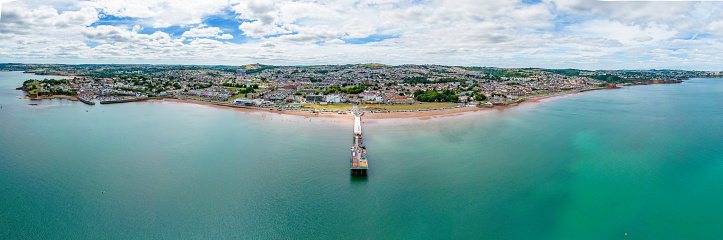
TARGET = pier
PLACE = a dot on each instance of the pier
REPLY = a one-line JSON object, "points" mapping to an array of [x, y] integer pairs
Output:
{"points": [[84, 100], [359, 164]]}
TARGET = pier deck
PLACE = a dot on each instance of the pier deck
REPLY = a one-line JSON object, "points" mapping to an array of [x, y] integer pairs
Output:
{"points": [[359, 164]]}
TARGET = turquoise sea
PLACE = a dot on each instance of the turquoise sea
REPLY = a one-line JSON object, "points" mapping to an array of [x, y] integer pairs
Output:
{"points": [[641, 162]]}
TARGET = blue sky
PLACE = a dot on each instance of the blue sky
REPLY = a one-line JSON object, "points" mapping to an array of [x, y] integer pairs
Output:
{"points": [[585, 34]]}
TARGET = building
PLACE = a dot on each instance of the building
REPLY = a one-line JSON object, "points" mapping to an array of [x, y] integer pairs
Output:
{"points": [[315, 98], [333, 98]]}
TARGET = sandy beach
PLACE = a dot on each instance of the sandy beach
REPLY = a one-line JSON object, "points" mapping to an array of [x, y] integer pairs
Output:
{"points": [[419, 115], [392, 117]]}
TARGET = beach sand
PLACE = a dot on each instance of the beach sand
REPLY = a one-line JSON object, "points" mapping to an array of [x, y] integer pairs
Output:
{"points": [[396, 117]]}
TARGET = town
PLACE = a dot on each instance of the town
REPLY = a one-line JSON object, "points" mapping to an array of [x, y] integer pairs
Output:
{"points": [[329, 88]]}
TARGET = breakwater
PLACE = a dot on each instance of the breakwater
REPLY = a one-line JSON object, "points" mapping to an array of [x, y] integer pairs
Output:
{"points": [[86, 101]]}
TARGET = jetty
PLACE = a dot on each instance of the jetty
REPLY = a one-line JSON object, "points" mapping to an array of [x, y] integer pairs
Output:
{"points": [[86, 100], [359, 164]]}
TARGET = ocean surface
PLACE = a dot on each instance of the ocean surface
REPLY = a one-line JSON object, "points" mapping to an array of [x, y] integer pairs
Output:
{"points": [[641, 162]]}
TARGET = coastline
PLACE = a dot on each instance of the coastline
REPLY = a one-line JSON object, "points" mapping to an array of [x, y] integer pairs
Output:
{"points": [[419, 115], [414, 114], [71, 98]]}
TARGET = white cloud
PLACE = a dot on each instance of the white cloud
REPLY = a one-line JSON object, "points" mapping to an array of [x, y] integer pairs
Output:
{"points": [[203, 32], [169, 12], [564, 33], [627, 34], [258, 29], [1, 6], [18, 18], [208, 32]]}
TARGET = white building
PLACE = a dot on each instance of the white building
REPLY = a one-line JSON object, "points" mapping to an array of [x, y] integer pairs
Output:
{"points": [[333, 98]]}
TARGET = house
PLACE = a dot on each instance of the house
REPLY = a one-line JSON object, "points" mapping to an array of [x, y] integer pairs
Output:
{"points": [[401, 100], [333, 98]]}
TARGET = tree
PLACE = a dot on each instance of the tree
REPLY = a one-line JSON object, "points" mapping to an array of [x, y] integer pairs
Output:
{"points": [[332, 89], [434, 96], [480, 97]]}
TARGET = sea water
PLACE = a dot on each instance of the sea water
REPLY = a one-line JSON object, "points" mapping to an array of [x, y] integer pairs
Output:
{"points": [[640, 162]]}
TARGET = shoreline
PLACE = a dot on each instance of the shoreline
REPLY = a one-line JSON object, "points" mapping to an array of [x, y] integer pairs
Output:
{"points": [[420, 115], [71, 98]]}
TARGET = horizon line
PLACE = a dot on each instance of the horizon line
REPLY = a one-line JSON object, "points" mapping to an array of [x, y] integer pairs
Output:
{"points": [[302, 65]]}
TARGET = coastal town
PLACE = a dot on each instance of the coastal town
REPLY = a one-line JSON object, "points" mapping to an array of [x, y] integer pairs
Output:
{"points": [[333, 88]]}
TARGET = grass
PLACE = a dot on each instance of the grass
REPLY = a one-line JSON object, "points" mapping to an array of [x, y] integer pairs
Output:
{"points": [[382, 107], [235, 88], [240, 95]]}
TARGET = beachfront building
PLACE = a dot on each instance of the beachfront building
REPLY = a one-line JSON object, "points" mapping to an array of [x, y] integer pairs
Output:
{"points": [[314, 98], [333, 98]]}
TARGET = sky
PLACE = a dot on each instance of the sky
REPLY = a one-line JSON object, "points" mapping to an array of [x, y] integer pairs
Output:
{"points": [[583, 34]]}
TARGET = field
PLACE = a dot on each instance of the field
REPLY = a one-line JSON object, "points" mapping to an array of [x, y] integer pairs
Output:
{"points": [[380, 107], [240, 95]]}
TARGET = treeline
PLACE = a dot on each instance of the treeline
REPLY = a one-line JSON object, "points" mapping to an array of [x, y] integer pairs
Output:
{"points": [[258, 70], [565, 72], [355, 89], [351, 90], [609, 78], [25, 67], [425, 80], [435, 96], [59, 92], [46, 81], [498, 72], [243, 87], [133, 71], [249, 90]]}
